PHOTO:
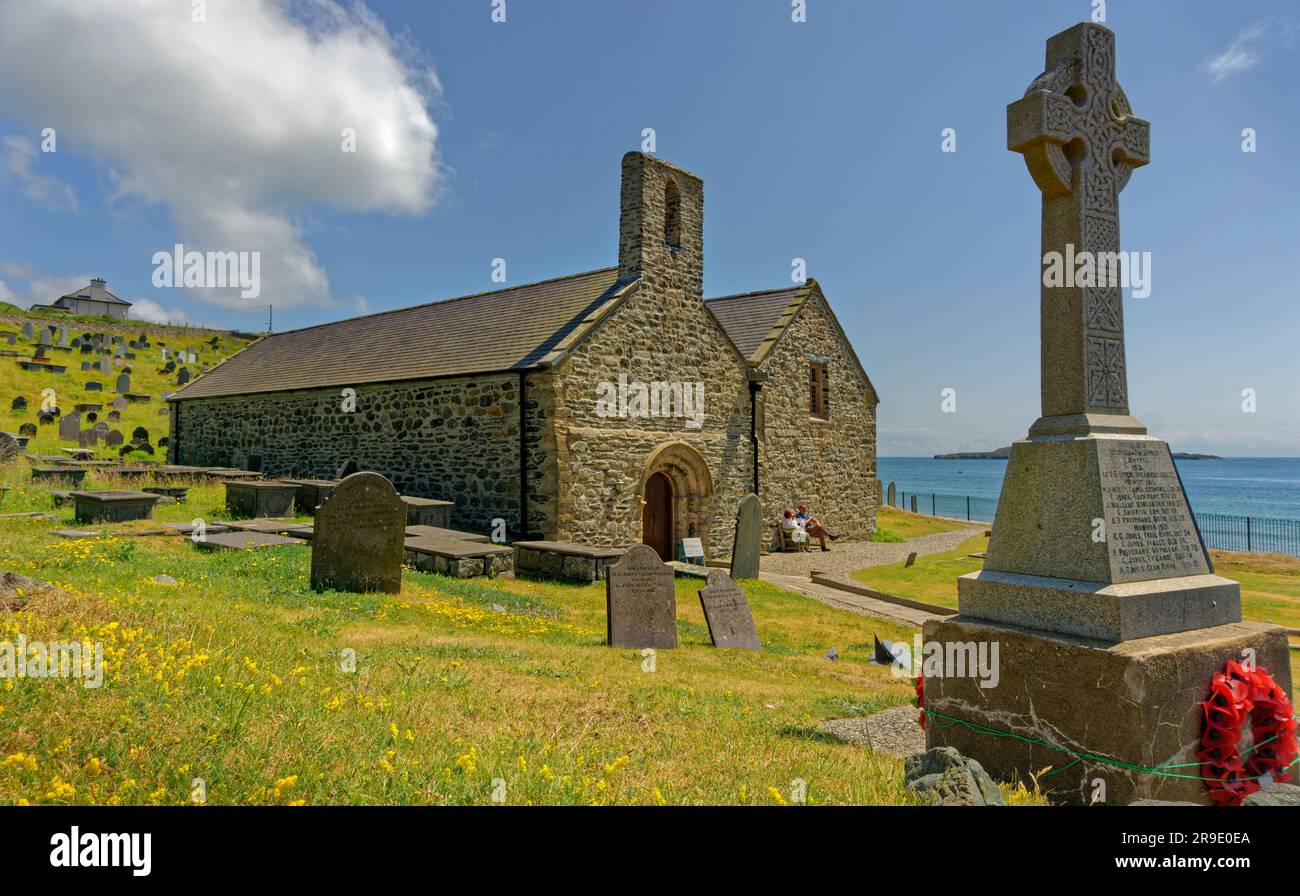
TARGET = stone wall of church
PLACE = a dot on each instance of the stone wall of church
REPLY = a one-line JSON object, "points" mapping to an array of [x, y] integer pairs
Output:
{"points": [[829, 465], [602, 459], [452, 439]]}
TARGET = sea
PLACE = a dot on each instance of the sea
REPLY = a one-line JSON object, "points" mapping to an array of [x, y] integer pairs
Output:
{"points": [[1266, 487]]}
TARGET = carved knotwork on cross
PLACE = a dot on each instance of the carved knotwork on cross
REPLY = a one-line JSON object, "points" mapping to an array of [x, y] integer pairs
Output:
{"points": [[1081, 142]]}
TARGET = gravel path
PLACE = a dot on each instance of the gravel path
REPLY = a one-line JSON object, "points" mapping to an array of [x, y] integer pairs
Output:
{"points": [[894, 731], [844, 557]]}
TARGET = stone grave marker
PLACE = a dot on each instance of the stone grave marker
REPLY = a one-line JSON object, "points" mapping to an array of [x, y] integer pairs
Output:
{"points": [[640, 602], [358, 540], [746, 544], [182, 376], [28, 333], [727, 613], [94, 386], [123, 383], [893, 496], [105, 365], [27, 430], [18, 404], [70, 427], [1106, 645], [9, 447], [114, 438]]}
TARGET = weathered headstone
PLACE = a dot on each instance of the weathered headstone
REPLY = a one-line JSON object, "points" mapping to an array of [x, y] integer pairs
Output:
{"points": [[357, 544], [106, 365], [123, 383], [727, 613], [1096, 586], [893, 496], [746, 546], [182, 376], [913, 504], [94, 386], [114, 438], [9, 447], [70, 427], [28, 333], [27, 430], [640, 601], [18, 404]]}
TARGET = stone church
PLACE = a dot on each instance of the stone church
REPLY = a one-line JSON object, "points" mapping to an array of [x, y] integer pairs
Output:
{"points": [[611, 407]]}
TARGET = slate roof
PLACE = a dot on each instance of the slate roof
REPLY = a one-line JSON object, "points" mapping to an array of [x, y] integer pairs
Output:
{"points": [[95, 292], [519, 328], [754, 320]]}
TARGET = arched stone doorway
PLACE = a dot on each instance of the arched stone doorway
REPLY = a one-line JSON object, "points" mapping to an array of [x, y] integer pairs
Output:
{"points": [[685, 484]]}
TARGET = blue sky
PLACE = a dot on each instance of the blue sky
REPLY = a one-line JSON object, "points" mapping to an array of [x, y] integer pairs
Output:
{"points": [[818, 140]]}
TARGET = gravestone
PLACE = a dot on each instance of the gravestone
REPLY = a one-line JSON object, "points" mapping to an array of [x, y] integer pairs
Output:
{"points": [[139, 434], [70, 427], [9, 447], [44, 341], [88, 438], [640, 601], [727, 613], [27, 430], [746, 545], [357, 544], [123, 383], [28, 333], [913, 503], [18, 404], [880, 493], [1096, 585], [893, 496], [182, 376], [106, 365], [114, 438]]}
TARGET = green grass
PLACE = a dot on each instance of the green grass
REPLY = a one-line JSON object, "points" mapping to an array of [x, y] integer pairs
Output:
{"points": [[234, 676], [895, 525], [69, 388], [932, 578], [1270, 583]]}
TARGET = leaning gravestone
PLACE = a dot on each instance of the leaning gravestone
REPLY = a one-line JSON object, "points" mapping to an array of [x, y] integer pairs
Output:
{"points": [[8, 447], [893, 496], [357, 543], [747, 544], [640, 601], [727, 613], [1107, 646]]}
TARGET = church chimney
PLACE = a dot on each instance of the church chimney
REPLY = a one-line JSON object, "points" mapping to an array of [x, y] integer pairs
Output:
{"points": [[661, 225]]}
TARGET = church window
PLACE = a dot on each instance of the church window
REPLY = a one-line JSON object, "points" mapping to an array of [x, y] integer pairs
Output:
{"points": [[818, 406]]}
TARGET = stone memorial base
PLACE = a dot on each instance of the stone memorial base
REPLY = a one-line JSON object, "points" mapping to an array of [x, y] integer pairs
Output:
{"points": [[1137, 702], [260, 499]]}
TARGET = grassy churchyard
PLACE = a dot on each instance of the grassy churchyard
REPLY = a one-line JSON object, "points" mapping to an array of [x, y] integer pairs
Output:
{"points": [[1270, 583], [240, 677]]}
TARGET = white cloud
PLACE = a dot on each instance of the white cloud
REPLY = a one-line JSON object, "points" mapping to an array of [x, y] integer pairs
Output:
{"points": [[235, 123], [1242, 55], [20, 159], [148, 309]]}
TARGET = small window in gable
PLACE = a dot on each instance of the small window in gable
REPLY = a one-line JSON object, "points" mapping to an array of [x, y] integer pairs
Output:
{"points": [[672, 215], [818, 405]]}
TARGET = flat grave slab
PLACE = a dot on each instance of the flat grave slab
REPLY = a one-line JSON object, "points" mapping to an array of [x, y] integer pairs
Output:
{"points": [[178, 492], [265, 525], [242, 541], [564, 560], [311, 493], [225, 474], [114, 506], [428, 512], [439, 532], [456, 557], [58, 474], [187, 529], [260, 499]]}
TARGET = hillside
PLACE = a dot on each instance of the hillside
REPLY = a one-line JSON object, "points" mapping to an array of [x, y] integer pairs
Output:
{"points": [[148, 369]]}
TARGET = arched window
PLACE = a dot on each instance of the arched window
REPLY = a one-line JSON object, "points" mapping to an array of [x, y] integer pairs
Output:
{"points": [[672, 215]]}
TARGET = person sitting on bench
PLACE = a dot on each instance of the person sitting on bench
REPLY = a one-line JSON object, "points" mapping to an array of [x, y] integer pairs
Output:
{"points": [[794, 531], [813, 527]]}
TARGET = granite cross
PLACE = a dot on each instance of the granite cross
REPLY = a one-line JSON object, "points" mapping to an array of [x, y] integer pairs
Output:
{"points": [[1081, 142]]}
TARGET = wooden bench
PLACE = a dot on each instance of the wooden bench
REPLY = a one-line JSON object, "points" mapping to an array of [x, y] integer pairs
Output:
{"points": [[784, 540]]}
